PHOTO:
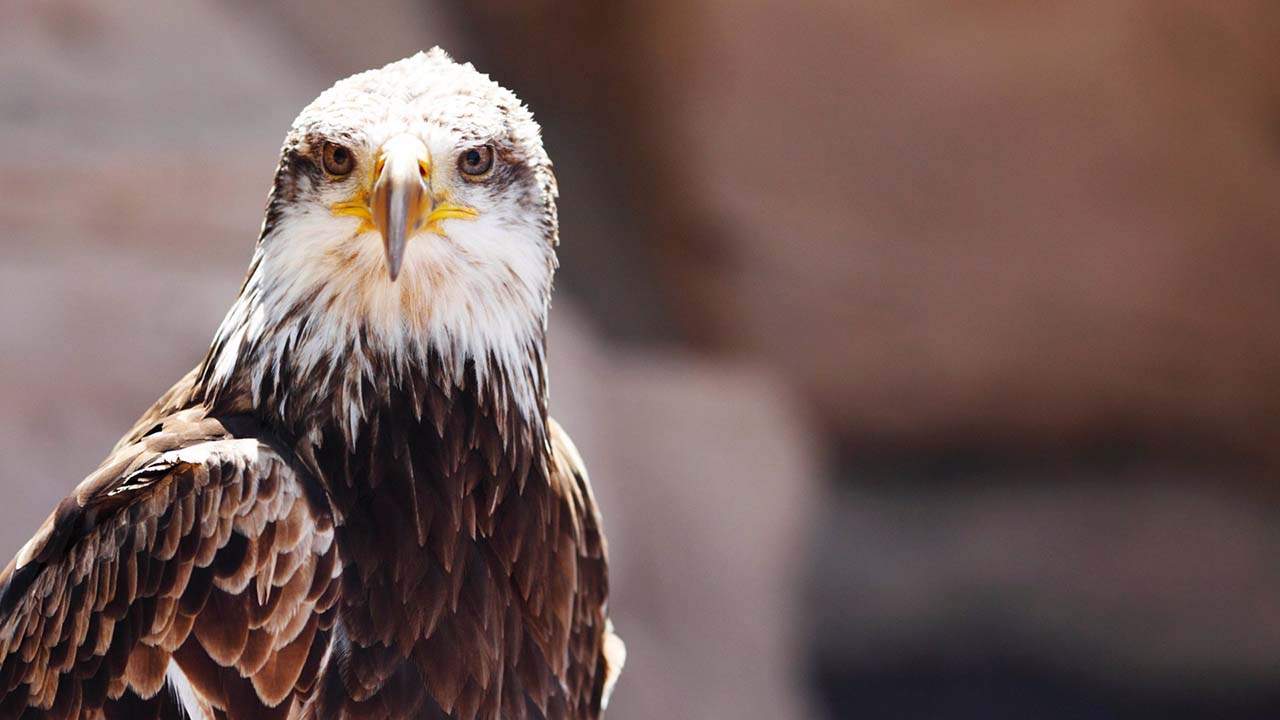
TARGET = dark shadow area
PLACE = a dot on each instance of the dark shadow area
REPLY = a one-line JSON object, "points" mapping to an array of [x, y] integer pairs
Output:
{"points": [[994, 687]]}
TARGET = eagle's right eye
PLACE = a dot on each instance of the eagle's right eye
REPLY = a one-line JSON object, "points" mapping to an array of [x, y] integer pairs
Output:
{"points": [[338, 161]]}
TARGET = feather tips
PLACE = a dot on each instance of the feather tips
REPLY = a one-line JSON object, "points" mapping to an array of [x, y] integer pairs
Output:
{"points": [[138, 573]]}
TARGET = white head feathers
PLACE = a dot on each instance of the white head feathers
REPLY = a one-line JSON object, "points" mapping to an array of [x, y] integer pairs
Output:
{"points": [[318, 303]]}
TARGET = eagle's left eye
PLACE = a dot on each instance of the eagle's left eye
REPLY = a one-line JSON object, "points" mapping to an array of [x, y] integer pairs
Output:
{"points": [[476, 162], [338, 161]]}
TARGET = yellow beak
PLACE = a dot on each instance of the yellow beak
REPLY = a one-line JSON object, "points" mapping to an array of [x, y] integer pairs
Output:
{"points": [[401, 203]]}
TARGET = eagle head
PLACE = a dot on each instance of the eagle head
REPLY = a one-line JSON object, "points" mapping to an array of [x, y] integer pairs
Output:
{"points": [[413, 213]]}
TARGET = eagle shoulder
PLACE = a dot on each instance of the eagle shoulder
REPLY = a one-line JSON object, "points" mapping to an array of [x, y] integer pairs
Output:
{"points": [[195, 549]]}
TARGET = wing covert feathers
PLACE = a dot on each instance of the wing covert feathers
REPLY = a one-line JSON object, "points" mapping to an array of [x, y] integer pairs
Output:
{"points": [[194, 547]]}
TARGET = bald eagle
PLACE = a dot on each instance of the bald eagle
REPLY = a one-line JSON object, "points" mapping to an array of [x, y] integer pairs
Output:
{"points": [[357, 505]]}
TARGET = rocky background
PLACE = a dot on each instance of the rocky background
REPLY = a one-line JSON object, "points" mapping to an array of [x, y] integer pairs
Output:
{"points": [[921, 351]]}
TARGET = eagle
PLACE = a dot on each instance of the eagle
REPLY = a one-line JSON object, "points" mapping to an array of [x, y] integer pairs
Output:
{"points": [[356, 505]]}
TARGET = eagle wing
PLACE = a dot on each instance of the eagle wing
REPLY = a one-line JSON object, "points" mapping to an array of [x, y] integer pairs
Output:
{"points": [[597, 653], [195, 553]]}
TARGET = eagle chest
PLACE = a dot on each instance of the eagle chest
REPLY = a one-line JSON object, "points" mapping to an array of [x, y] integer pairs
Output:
{"points": [[451, 542]]}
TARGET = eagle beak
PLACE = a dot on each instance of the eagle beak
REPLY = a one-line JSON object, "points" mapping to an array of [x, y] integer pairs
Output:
{"points": [[402, 203], [400, 194]]}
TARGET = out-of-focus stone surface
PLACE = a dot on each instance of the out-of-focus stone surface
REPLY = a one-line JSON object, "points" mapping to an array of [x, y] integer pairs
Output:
{"points": [[1138, 577], [1016, 219], [708, 484], [139, 145], [969, 223]]}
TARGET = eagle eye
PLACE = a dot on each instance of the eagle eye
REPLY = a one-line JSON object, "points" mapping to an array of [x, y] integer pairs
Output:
{"points": [[338, 161], [475, 163]]}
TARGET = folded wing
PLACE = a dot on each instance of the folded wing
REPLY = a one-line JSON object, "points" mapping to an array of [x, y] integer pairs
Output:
{"points": [[597, 653], [195, 558]]}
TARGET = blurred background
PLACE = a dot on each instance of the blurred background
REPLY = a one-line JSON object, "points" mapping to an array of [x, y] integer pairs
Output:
{"points": [[923, 353]]}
